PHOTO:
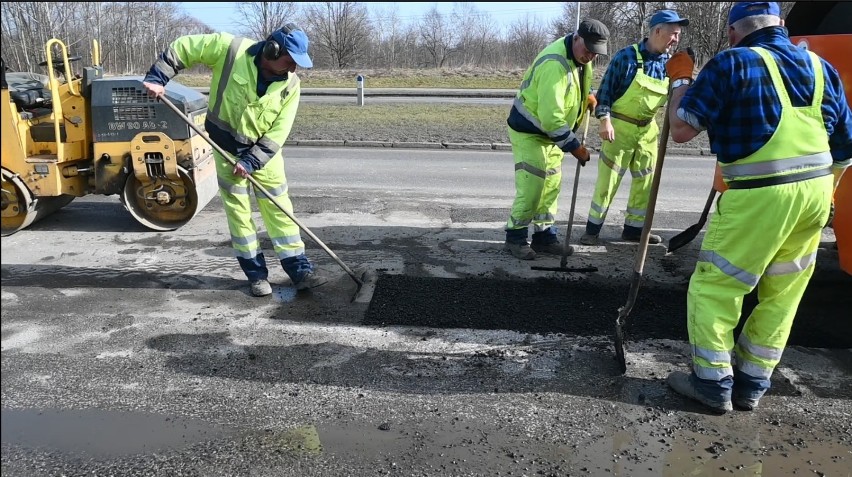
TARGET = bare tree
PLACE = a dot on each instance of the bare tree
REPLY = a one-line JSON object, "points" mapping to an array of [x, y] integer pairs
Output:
{"points": [[527, 37], [437, 36], [565, 24], [476, 33], [259, 19], [340, 31], [388, 33]]}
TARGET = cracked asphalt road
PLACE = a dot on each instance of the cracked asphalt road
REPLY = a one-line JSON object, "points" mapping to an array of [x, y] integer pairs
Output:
{"points": [[131, 352]]}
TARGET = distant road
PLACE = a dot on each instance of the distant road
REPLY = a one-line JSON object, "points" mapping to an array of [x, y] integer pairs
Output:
{"points": [[405, 95]]}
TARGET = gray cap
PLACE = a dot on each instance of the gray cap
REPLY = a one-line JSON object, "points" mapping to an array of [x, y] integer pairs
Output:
{"points": [[595, 35]]}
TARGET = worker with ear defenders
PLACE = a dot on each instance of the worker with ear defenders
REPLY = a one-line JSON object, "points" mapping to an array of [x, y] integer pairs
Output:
{"points": [[254, 95]]}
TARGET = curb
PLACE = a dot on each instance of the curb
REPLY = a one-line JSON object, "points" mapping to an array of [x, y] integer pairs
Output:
{"points": [[471, 146]]}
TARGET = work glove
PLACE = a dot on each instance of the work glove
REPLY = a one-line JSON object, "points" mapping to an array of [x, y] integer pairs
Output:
{"points": [[592, 102], [681, 65], [582, 155]]}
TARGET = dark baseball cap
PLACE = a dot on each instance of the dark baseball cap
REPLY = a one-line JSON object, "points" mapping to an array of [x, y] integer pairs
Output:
{"points": [[595, 35]]}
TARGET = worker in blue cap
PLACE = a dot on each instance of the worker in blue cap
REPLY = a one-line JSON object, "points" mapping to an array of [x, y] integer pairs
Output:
{"points": [[781, 129], [633, 89], [254, 96]]}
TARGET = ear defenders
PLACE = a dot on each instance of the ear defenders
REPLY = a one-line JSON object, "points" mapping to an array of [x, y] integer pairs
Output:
{"points": [[272, 49]]}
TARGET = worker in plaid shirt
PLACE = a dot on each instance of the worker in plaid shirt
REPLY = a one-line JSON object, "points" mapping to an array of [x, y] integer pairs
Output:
{"points": [[781, 129]]}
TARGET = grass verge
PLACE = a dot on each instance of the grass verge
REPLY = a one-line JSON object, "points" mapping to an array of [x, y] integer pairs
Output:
{"points": [[394, 122]]}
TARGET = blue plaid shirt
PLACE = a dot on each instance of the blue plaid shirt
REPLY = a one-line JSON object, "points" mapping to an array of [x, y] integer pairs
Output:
{"points": [[621, 71], [734, 100]]}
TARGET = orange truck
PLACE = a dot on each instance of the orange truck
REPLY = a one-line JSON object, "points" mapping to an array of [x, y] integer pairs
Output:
{"points": [[825, 29]]}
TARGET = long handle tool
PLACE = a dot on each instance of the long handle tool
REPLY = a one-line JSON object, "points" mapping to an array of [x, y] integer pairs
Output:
{"points": [[642, 251], [260, 188], [690, 233], [566, 247]]}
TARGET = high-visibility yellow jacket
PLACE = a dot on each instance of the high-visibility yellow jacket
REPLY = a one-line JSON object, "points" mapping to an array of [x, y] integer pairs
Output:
{"points": [[243, 123], [552, 98]]}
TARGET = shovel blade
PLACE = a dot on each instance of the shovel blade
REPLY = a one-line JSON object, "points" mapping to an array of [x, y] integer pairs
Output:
{"points": [[619, 347], [684, 237]]}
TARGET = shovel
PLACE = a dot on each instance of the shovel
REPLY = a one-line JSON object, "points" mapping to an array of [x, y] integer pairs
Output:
{"points": [[358, 281], [642, 251], [566, 247], [687, 235]]}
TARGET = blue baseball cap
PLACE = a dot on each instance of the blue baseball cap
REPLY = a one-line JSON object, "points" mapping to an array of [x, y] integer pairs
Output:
{"points": [[296, 42], [668, 16], [741, 10]]}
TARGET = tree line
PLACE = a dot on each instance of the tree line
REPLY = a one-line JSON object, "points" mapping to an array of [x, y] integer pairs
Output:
{"points": [[344, 35]]}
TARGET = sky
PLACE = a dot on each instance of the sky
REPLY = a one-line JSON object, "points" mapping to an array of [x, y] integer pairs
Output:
{"points": [[220, 15]]}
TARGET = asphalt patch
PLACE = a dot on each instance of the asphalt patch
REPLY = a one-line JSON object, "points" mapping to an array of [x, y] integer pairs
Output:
{"points": [[586, 308]]}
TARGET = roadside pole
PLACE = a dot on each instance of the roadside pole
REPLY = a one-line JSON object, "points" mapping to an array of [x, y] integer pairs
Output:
{"points": [[359, 90]]}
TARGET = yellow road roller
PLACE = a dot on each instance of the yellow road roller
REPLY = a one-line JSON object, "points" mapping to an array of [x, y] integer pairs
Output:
{"points": [[68, 135]]}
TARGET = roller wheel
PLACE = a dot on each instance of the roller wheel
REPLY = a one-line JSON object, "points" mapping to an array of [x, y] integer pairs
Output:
{"points": [[163, 204], [20, 209]]}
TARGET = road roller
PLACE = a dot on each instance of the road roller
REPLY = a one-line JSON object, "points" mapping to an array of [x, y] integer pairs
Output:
{"points": [[68, 135]]}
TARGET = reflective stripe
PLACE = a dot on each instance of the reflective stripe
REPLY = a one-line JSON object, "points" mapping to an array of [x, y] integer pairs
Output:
{"points": [[713, 374], [276, 192], [227, 71], [265, 149], [165, 64], [283, 241], [239, 137], [520, 223], [561, 59], [711, 355], [754, 370], [635, 223], [794, 266], [523, 166], [608, 162], [544, 218], [244, 241], [759, 351], [232, 188], [638, 212], [556, 136], [290, 253], [779, 166], [643, 172], [728, 268], [248, 255], [597, 208], [260, 154]]}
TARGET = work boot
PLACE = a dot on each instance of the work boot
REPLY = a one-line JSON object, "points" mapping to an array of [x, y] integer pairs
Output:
{"points": [[589, 239], [682, 384], [311, 280], [521, 251], [652, 239], [261, 288], [554, 248], [745, 403]]}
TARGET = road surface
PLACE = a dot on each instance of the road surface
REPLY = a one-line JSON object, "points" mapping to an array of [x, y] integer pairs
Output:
{"points": [[132, 352]]}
